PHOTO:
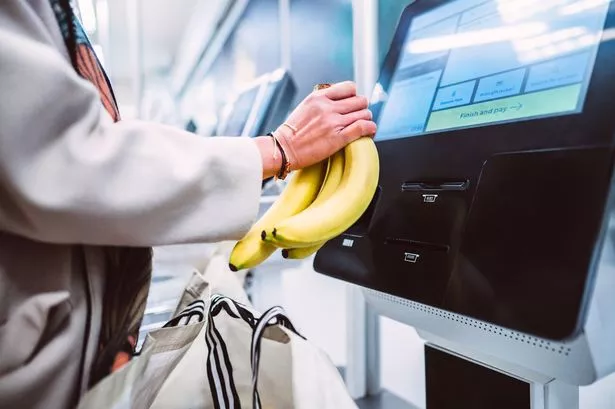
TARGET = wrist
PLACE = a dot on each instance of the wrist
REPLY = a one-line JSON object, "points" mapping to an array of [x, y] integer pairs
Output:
{"points": [[284, 134], [270, 156]]}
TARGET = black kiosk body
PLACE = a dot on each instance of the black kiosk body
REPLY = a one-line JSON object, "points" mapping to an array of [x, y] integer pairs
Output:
{"points": [[491, 228]]}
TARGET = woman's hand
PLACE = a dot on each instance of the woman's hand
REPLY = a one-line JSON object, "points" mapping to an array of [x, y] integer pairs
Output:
{"points": [[324, 122]]}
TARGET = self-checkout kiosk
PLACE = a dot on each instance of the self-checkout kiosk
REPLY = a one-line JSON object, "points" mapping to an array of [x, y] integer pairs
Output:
{"points": [[493, 228], [257, 109], [259, 106]]}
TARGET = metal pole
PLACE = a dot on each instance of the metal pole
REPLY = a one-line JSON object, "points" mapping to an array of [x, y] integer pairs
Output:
{"points": [[370, 73], [285, 34], [356, 377], [363, 329]]}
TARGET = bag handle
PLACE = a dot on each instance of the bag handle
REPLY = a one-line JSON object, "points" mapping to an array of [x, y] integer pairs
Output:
{"points": [[219, 368], [273, 316]]}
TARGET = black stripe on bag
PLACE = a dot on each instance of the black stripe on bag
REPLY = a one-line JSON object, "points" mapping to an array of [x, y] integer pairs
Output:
{"points": [[215, 371], [216, 378], [213, 388], [194, 309], [229, 370], [227, 304], [217, 393], [257, 335], [223, 305], [177, 321], [198, 305], [273, 316]]}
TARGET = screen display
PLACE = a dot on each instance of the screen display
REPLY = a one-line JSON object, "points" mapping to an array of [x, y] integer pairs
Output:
{"points": [[472, 63], [240, 113]]}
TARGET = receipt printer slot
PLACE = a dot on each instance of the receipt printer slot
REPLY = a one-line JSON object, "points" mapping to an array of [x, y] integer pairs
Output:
{"points": [[443, 185]]}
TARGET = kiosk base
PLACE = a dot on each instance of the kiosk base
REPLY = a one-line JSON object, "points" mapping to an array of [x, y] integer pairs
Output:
{"points": [[455, 382]]}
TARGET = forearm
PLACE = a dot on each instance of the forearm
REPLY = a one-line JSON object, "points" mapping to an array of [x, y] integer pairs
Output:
{"points": [[270, 156], [70, 175], [132, 184]]}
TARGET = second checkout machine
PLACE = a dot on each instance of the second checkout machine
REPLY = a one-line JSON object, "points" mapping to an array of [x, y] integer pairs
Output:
{"points": [[492, 231], [257, 108]]}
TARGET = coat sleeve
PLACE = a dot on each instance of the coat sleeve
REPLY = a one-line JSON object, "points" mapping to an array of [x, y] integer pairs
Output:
{"points": [[68, 174]]}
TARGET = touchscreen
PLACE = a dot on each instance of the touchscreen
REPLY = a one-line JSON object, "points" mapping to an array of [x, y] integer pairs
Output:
{"points": [[241, 112], [474, 62]]}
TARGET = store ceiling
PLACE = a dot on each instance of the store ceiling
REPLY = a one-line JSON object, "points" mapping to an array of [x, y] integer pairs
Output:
{"points": [[163, 23]]}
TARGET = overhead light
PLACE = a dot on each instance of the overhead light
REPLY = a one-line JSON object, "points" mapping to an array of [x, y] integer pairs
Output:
{"points": [[581, 6], [477, 37], [516, 10]]}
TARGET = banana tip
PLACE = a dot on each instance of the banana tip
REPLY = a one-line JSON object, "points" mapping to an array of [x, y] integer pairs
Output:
{"points": [[263, 235], [274, 232], [285, 253], [232, 267]]}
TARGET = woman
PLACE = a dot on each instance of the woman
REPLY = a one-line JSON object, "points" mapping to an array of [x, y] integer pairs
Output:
{"points": [[83, 196]]}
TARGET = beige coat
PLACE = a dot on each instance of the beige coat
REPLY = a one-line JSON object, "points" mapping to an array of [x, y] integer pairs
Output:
{"points": [[72, 181]]}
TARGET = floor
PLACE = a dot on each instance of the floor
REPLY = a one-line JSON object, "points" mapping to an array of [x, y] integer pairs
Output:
{"points": [[385, 400]]}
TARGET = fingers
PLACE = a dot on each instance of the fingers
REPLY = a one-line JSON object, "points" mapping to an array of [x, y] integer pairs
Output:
{"points": [[351, 104], [364, 114], [358, 129], [341, 90]]}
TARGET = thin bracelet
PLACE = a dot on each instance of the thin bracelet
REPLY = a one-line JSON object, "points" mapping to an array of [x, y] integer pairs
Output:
{"points": [[285, 168], [289, 126], [274, 147]]}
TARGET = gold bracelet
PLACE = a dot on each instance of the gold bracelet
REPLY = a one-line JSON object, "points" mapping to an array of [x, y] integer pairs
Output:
{"points": [[289, 126], [275, 147]]}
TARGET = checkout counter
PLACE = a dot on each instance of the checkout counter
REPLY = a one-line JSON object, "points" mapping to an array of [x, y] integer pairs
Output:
{"points": [[260, 106], [492, 230]]}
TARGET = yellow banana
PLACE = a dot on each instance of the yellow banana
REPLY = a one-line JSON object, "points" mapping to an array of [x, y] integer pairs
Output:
{"points": [[336, 214], [330, 185], [299, 253], [298, 194]]}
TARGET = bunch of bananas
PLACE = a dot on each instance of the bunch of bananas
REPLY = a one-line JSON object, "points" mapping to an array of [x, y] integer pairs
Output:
{"points": [[319, 203]]}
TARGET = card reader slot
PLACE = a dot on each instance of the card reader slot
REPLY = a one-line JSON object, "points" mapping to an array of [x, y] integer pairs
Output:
{"points": [[417, 244], [435, 185]]}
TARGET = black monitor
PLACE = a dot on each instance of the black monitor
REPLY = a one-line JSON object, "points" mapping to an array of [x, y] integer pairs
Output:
{"points": [[260, 107], [238, 112], [495, 139]]}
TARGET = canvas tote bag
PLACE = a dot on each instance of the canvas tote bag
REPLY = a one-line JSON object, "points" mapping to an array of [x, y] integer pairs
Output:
{"points": [[219, 353]]}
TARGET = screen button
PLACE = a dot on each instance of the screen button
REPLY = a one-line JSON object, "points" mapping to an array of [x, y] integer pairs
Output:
{"points": [[453, 96], [557, 73], [547, 102], [500, 85]]}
